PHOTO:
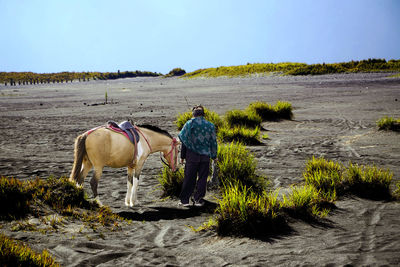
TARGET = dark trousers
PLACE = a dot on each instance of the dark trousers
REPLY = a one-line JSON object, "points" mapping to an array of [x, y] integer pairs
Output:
{"points": [[193, 169]]}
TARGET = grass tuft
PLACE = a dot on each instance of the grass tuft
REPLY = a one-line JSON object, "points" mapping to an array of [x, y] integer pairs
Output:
{"points": [[14, 253], [247, 118], [239, 134], [60, 195], [236, 163], [171, 182], [15, 198], [268, 112], [307, 202], [241, 212], [389, 124], [333, 178], [324, 175], [369, 181]]}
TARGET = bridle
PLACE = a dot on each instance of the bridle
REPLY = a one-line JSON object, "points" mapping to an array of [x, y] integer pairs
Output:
{"points": [[174, 146]]}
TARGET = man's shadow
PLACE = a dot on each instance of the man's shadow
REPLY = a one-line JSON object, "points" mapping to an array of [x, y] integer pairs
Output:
{"points": [[169, 213]]}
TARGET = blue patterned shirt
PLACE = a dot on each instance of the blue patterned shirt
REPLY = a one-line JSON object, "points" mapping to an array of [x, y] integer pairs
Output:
{"points": [[199, 135]]}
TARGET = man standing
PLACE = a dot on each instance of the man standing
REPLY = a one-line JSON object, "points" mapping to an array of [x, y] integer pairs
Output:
{"points": [[199, 144]]}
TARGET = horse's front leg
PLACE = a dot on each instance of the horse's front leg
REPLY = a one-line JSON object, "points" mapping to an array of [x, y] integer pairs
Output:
{"points": [[129, 184], [135, 183]]}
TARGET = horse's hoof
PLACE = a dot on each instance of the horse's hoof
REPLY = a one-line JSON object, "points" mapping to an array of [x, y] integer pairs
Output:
{"points": [[97, 200]]}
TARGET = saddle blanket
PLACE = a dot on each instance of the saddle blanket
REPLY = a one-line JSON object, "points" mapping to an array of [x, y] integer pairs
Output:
{"points": [[126, 128]]}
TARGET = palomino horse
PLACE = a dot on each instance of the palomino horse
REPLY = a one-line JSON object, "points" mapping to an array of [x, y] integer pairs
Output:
{"points": [[102, 147]]}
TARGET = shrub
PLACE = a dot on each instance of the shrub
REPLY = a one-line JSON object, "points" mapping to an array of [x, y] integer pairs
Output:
{"points": [[369, 181], [60, 193], [236, 163], [15, 253], [176, 72], [15, 199], [208, 115], [241, 212], [242, 118], [388, 123], [171, 182], [239, 134]]}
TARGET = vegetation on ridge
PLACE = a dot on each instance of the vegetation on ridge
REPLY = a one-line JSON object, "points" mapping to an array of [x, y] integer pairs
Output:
{"points": [[288, 68]]}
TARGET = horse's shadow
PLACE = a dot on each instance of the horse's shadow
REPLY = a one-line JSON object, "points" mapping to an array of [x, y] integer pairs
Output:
{"points": [[168, 213]]}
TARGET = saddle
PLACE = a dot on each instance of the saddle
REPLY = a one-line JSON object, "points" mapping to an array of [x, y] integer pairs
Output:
{"points": [[127, 128]]}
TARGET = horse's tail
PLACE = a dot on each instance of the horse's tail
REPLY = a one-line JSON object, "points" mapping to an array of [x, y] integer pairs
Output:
{"points": [[79, 153]]}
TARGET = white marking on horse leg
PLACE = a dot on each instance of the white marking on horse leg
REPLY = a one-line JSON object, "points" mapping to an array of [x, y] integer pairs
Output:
{"points": [[129, 187], [134, 191], [97, 200]]}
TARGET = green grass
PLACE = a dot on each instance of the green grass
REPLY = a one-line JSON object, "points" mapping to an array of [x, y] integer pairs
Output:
{"points": [[306, 202], [171, 182], [59, 195], [268, 112], [40, 78], [14, 253], [240, 134], [396, 192], [15, 194], [324, 175], [241, 212], [242, 118], [389, 124], [336, 179], [369, 181], [370, 65], [236, 163], [208, 115]]}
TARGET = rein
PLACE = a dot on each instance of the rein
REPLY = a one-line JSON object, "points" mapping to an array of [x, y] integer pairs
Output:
{"points": [[147, 141], [174, 145]]}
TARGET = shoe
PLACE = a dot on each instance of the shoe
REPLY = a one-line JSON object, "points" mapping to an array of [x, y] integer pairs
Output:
{"points": [[183, 204], [199, 203]]}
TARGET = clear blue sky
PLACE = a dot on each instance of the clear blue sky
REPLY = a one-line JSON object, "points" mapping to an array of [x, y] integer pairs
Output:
{"points": [[159, 35]]}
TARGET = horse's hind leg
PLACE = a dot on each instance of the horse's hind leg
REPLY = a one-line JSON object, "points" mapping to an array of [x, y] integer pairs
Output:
{"points": [[95, 180], [86, 167], [129, 187]]}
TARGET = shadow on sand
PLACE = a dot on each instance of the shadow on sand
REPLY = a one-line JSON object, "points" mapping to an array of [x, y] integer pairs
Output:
{"points": [[169, 213]]}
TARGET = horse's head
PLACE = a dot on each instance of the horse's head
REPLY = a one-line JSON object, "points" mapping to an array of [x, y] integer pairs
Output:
{"points": [[171, 155]]}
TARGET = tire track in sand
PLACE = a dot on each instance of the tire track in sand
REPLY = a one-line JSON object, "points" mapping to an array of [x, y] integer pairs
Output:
{"points": [[368, 235]]}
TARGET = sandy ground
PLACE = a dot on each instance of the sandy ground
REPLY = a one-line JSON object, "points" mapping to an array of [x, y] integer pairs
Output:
{"points": [[335, 117]]}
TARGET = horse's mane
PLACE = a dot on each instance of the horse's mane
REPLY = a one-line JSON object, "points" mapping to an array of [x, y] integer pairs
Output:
{"points": [[156, 129]]}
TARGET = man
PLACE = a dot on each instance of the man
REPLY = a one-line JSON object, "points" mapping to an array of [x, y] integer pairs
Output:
{"points": [[199, 144]]}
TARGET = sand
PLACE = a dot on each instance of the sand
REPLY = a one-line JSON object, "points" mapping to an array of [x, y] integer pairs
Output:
{"points": [[335, 117]]}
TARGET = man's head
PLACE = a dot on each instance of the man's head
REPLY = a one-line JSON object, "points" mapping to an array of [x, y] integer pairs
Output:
{"points": [[198, 111]]}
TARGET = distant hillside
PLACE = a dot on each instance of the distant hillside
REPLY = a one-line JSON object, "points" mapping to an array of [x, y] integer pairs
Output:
{"points": [[13, 78], [370, 65]]}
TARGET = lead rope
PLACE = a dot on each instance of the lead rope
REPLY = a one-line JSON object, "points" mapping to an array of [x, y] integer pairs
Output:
{"points": [[139, 131]]}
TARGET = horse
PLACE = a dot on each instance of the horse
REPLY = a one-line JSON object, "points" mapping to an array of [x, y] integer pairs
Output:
{"points": [[102, 147]]}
